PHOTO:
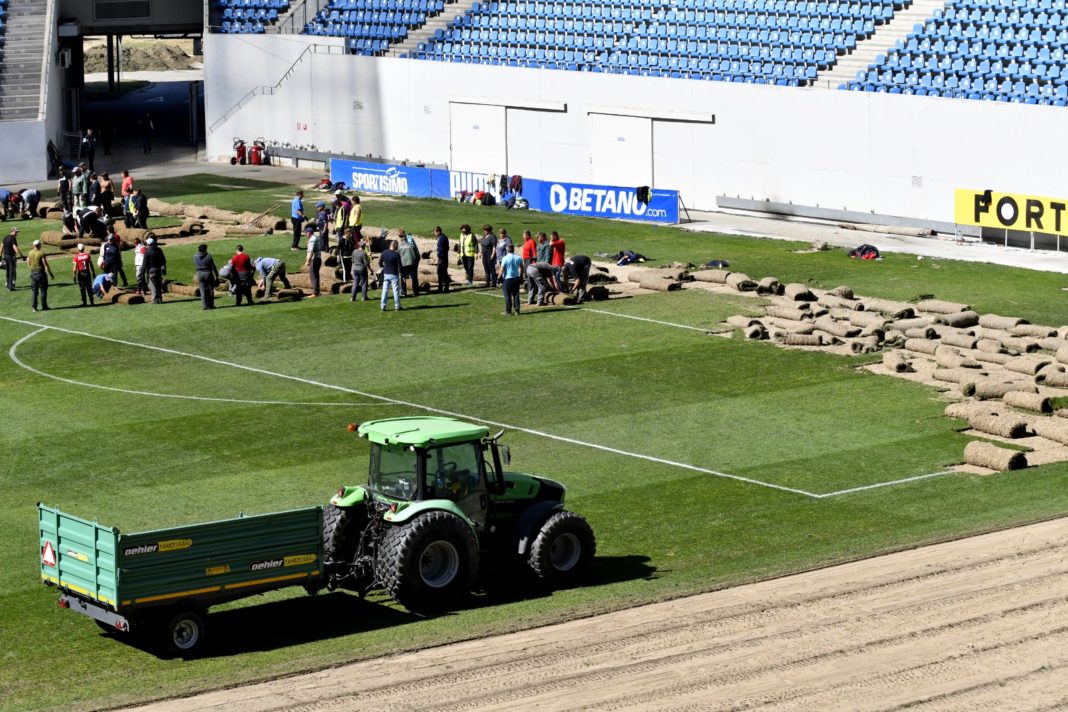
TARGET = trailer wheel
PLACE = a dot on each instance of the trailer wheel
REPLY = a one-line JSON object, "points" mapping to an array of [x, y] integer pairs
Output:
{"points": [[562, 551], [183, 633], [428, 563]]}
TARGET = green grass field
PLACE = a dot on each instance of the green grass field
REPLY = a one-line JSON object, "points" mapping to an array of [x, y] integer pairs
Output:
{"points": [[700, 461]]}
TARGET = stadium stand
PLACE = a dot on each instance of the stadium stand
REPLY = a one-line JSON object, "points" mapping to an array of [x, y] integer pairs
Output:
{"points": [[782, 42], [371, 26], [22, 46], [994, 50], [246, 17]]}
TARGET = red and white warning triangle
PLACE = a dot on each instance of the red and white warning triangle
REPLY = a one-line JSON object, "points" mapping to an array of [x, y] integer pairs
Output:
{"points": [[48, 556]]}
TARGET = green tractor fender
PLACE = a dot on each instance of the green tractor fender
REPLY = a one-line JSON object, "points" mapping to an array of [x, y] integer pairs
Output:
{"points": [[529, 523], [414, 509], [349, 496]]}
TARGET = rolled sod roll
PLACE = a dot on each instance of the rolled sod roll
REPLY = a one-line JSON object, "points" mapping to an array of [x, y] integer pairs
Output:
{"points": [[1005, 426], [741, 282], [896, 362], [993, 321], [1020, 343], [186, 290], [864, 345], [960, 319], [1055, 379], [842, 291], [128, 298], [1048, 369], [597, 294], [993, 457], [798, 293], [1028, 366], [864, 319], [769, 285], [714, 276], [640, 274], [984, 357], [788, 313], [1028, 401], [330, 261], [953, 375], [948, 358], [800, 339], [756, 332], [284, 295], [794, 327], [916, 322], [1035, 331], [659, 284], [964, 410], [1051, 343], [937, 306], [923, 346], [877, 331], [1062, 354], [837, 328], [568, 300], [896, 310], [992, 389], [924, 332], [743, 322], [990, 346], [832, 302], [964, 341], [340, 287], [1055, 429], [827, 338]]}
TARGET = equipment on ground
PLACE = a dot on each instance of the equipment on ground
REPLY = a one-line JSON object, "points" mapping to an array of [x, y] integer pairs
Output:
{"points": [[437, 509], [257, 156], [240, 151]]}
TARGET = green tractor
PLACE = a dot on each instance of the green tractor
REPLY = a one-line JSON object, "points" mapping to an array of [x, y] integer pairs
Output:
{"points": [[437, 505]]}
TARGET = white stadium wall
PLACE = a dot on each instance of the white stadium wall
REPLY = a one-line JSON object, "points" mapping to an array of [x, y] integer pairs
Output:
{"points": [[863, 152]]}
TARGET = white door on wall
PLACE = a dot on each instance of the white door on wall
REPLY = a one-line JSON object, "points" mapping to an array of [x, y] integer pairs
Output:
{"points": [[621, 150], [477, 134]]}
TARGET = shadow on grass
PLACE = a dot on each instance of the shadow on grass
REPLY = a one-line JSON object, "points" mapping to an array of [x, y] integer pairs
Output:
{"points": [[307, 619]]}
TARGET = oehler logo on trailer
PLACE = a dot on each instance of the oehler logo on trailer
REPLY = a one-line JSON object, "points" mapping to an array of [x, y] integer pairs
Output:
{"points": [[157, 547], [266, 564]]}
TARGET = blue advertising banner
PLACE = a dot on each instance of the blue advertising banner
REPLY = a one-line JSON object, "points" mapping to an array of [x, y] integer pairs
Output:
{"points": [[601, 201], [382, 178]]}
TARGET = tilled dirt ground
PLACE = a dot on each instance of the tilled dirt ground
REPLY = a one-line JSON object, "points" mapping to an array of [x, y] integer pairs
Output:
{"points": [[976, 624]]}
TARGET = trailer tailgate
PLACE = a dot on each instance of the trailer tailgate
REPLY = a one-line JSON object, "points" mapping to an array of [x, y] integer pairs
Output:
{"points": [[78, 555]]}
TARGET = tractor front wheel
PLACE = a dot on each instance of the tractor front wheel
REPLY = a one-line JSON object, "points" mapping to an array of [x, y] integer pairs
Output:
{"points": [[428, 563], [562, 551]]}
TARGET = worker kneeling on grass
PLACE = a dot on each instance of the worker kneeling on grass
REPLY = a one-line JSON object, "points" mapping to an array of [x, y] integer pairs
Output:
{"points": [[101, 285]]}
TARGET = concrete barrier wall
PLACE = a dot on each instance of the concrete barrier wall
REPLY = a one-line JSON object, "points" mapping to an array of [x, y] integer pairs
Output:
{"points": [[868, 153]]}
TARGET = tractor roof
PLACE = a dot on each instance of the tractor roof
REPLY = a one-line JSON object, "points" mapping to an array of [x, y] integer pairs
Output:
{"points": [[421, 431]]}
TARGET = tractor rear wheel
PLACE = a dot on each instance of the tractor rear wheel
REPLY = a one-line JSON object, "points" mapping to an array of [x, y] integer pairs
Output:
{"points": [[341, 531], [428, 563], [562, 551]]}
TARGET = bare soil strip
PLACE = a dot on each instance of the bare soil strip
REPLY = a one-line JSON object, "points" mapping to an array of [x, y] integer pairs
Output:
{"points": [[980, 623]]}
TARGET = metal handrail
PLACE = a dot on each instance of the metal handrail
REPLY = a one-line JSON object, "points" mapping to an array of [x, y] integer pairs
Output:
{"points": [[256, 91], [48, 58]]}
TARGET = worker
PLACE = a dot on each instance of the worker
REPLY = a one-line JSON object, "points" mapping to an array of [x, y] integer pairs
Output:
{"points": [[509, 272], [84, 273], [361, 265], [441, 252], [540, 274], [409, 257], [313, 258], [345, 248], [529, 254], [10, 253], [390, 262], [155, 267], [241, 276], [270, 269], [207, 276], [102, 285], [39, 274], [578, 269], [296, 214], [487, 247], [468, 252]]}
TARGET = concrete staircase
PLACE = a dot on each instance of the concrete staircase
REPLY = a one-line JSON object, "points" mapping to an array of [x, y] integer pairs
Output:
{"points": [[846, 68], [411, 42], [20, 70]]}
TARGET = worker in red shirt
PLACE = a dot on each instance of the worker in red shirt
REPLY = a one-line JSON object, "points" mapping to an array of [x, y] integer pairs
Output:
{"points": [[83, 274], [242, 269], [556, 245], [529, 254]]}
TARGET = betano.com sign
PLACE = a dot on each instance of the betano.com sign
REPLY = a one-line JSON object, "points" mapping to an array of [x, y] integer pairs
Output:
{"points": [[1011, 211], [600, 201]]}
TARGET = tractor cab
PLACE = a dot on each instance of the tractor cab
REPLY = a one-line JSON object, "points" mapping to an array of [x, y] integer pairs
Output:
{"points": [[420, 459]]}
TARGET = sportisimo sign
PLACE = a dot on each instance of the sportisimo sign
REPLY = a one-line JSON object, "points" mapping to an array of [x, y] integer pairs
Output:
{"points": [[602, 201], [1011, 211]]}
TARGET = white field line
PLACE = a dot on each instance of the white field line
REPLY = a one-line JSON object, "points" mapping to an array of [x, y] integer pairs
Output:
{"points": [[621, 316], [462, 416], [878, 485], [14, 348]]}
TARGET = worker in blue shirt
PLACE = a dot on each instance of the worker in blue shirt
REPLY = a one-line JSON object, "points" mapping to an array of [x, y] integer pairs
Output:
{"points": [[510, 270], [296, 214]]}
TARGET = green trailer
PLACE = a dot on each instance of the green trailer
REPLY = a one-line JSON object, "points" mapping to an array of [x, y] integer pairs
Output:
{"points": [[162, 582]]}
